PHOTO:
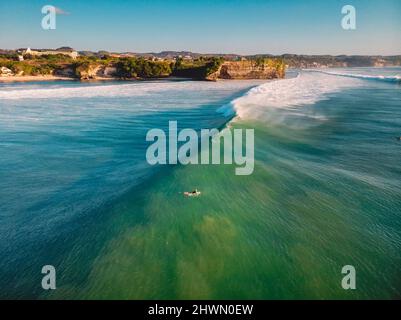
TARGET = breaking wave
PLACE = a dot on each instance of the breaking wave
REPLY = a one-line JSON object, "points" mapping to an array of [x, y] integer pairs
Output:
{"points": [[392, 78], [305, 89]]}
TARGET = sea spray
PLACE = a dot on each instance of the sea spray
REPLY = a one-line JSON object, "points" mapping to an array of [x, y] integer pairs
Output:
{"points": [[305, 89]]}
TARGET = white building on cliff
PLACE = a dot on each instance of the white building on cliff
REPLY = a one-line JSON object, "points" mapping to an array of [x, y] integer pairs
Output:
{"points": [[40, 52]]}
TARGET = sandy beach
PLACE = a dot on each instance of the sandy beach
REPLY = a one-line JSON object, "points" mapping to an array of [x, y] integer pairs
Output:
{"points": [[33, 78]]}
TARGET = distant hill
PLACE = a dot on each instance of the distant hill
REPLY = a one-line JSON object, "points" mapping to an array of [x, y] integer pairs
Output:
{"points": [[328, 61], [291, 60]]}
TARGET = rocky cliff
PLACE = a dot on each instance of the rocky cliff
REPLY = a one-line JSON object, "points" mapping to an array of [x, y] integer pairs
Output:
{"points": [[267, 69], [95, 71]]}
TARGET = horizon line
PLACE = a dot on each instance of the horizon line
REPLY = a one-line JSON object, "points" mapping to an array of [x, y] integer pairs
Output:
{"points": [[209, 53]]}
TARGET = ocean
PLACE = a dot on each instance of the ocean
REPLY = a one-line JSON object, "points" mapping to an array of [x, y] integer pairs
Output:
{"points": [[77, 193]]}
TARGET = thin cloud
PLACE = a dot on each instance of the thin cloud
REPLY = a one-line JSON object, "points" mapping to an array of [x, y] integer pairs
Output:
{"points": [[61, 11]]}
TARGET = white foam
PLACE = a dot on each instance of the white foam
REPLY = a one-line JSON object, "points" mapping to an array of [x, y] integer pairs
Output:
{"points": [[307, 88], [131, 89], [37, 104], [392, 78]]}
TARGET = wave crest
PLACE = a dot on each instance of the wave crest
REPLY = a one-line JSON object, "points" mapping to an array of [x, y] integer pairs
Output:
{"points": [[305, 89], [395, 78]]}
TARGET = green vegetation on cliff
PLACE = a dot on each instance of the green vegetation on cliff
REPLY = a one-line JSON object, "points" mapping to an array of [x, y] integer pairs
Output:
{"points": [[35, 65], [197, 69], [142, 68], [276, 64], [22, 67], [137, 67]]}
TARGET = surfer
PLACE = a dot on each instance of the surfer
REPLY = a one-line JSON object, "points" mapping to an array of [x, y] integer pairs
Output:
{"points": [[193, 193]]}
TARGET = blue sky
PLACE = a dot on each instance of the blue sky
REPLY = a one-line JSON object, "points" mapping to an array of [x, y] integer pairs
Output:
{"points": [[243, 27]]}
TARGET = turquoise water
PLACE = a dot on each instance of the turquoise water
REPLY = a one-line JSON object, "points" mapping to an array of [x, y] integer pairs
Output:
{"points": [[76, 191]]}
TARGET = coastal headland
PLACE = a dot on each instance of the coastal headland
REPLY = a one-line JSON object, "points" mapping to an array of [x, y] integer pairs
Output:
{"points": [[67, 64]]}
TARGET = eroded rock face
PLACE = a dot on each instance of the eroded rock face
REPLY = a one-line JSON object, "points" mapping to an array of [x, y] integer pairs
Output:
{"points": [[65, 72], [5, 72], [248, 70], [97, 72], [91, 72], [109, 72]]}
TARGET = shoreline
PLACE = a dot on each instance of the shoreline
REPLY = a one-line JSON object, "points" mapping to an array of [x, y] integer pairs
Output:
{"points": [[38, 78], [34, 78]]}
